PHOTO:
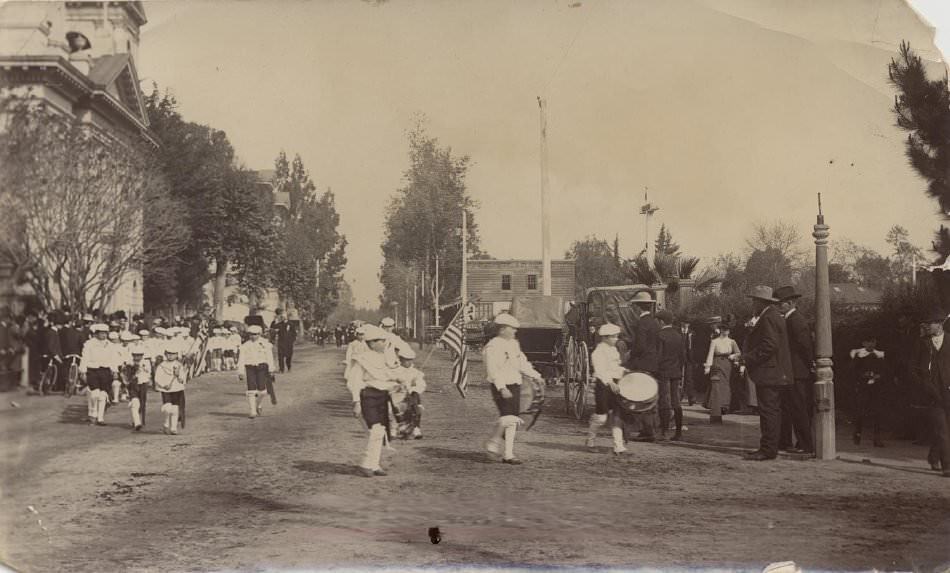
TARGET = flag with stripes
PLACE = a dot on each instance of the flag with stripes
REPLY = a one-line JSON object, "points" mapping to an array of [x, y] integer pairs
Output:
{"points": [[454, 339]]}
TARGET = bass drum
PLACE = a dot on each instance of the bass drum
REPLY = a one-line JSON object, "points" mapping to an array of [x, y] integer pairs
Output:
{"points": [[638, 393]]}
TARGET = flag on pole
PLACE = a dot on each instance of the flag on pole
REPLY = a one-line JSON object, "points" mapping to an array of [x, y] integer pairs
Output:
{"points": [[454, 339]]}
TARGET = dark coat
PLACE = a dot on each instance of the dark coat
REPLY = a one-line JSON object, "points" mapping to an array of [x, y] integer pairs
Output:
{"points": [[70, 340], [51, 346], [672, 353], [645, 352], [800, 345], [930, 374], [766, 352], [286, 333]]}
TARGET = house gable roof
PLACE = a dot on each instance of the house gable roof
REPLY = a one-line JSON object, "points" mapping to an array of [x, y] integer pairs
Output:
{"points": [[116, 75]]}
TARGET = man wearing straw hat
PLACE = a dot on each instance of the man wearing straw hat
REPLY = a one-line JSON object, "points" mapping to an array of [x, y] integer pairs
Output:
{"points": [[766, 356]]}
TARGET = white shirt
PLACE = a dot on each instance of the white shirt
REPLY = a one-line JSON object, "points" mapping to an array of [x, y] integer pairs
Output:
{"points": [[393, 344], [170, 376], [412, 377], [369, 369], [98, 354], [353, 349], [505, 363], [721, 345], [606, 362], [937, 341], [254, 353]]}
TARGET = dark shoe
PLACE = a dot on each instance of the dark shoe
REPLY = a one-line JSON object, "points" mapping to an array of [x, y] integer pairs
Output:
{"points": [[793, 450], [758, 457], [380, 473], [273, 399], [138, 428], [512, 461], [98, 423], [677, 437], [365, 472]]}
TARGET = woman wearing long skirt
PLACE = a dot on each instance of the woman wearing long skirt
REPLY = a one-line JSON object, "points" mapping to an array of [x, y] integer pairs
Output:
{"points": [[723, 351]]}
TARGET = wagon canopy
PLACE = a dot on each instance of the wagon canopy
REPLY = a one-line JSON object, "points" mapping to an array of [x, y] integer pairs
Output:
{"points": [[538, 311]]}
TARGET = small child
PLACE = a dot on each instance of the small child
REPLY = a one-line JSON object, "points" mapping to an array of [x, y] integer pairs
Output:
{"points": [[415, 383], [138, 376], [170, 381]]}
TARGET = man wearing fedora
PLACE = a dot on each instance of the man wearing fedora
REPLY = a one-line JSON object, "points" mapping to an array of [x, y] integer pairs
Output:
{"points": [[797, 408], [769, 365], [930, 378], [645, 354]]}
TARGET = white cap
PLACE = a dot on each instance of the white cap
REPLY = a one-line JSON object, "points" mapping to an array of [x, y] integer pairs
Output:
{"points": [[99, 327], [371, 332], [159, 330], [254, 329], [113, 335], [128, 337], [144, 332], [388, 322], [361, 330], [234, 329], [505, 319], [170, 349], [609, 330], [404, 351]]}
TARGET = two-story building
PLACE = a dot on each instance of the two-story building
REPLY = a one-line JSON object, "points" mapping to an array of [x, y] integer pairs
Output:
{"points": [[493, 283]]}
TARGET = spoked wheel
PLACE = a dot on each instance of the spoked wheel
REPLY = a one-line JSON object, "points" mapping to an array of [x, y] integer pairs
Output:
{"points": [[567, 374], [72, 380], [48, 379], [580, 382]]}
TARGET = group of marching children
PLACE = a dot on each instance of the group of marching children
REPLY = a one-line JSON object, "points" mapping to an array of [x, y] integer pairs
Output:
{"points": [[223, 347], [121, 367], [379, 363]]}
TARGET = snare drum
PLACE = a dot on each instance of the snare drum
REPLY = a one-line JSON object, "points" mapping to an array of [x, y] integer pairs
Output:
{"points": [[638, 392], [532, 396]]}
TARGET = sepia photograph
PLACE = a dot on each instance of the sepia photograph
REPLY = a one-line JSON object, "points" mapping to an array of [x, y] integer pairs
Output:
{"points": [[474, 285]]}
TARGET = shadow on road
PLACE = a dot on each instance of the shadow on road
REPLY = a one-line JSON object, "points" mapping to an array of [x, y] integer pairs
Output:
{"points": [[559, 447], [342, 408], [325, 467], [444, 453], [228, 414], [74, 414]]}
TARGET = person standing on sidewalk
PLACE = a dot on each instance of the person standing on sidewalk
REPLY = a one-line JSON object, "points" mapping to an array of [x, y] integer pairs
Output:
{"points": [[607, 371], [868, 370], [769, 364], [670, 376], [645, 356], [256, 363], [285, 337], [505, 364], [797, 410], [930, 374], [370, 381]]}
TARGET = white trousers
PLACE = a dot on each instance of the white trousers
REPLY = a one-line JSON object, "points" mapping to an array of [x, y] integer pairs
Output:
{"points": [[374, 448]]}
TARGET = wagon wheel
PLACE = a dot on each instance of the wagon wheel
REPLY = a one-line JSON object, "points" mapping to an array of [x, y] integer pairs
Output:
{"points": [[580, 381], [567, 371]]}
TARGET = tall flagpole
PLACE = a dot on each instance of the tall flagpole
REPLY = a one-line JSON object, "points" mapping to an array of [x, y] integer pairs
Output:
{"points": [[464, 263], [545, 200]]}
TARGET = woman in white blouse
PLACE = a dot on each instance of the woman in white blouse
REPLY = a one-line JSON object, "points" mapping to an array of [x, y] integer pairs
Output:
{"points": [[723, 351]]}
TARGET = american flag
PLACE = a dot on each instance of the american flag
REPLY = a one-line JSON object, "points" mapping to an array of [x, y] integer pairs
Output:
{"points": [[454, 338]]}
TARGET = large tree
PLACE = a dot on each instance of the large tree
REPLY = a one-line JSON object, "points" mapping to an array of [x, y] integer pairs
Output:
{"points": [[82, 211], [595, 264], [922, 108], [224, 209], [423, 222], [310, 250]]}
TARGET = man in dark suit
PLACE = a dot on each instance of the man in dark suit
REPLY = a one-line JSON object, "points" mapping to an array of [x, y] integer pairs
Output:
{"points": [[285, 334], [672, 351], [930, 376], [798, 402], [769, 365], [644, 353]]}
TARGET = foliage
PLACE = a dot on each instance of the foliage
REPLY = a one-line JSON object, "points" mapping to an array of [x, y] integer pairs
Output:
{"points": [[82, 209], [905, 254], [423, 220], [781, 236], [309, 252], [595, 264], [922, 108]]}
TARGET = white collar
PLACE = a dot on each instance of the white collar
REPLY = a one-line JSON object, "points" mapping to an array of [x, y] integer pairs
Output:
{"points": [[789, 313]]}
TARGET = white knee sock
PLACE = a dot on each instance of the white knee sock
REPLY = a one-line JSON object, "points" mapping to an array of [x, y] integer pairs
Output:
{"points": [[92, 397], [173, 421], [116, 387], [101, 405], [252, 402], [510, 431], [374, 447], [166, 416], [596, 422], [134, 407]]}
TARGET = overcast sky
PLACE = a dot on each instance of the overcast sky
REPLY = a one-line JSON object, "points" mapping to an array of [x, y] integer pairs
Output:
{"points": [[729, 111]]}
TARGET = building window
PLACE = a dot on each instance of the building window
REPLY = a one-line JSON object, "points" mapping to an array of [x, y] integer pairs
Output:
{"points": [[505, 282], [532, 282]]}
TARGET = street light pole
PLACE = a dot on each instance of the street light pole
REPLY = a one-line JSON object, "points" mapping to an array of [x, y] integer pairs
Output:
{"points": [[824, 375]]}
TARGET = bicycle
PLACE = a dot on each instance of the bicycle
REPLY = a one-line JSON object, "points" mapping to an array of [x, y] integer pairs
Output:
{"points": [[49, 377], [72, 377]]}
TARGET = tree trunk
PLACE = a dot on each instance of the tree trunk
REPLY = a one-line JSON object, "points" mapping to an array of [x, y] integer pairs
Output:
{"points": [[220, 282]]}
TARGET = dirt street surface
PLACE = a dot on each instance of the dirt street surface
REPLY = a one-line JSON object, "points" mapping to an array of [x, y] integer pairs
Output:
{"points": [[282, 492]]}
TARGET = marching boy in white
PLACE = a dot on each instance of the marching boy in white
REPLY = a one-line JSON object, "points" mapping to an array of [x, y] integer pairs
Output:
{"points": [[138, 378], [415, 383], [99, 365], [170, 381], [505, 364], [607, 369], [352, 349], [256, 361], [370, 380]]}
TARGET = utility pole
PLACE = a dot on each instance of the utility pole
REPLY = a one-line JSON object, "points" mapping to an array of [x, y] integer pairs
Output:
{"points": [[545, 207], [435, 296], [824, 378], [647, 210]]}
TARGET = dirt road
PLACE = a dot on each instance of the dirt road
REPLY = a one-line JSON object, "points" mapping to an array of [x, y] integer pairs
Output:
{"points": [[281, 491]]}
